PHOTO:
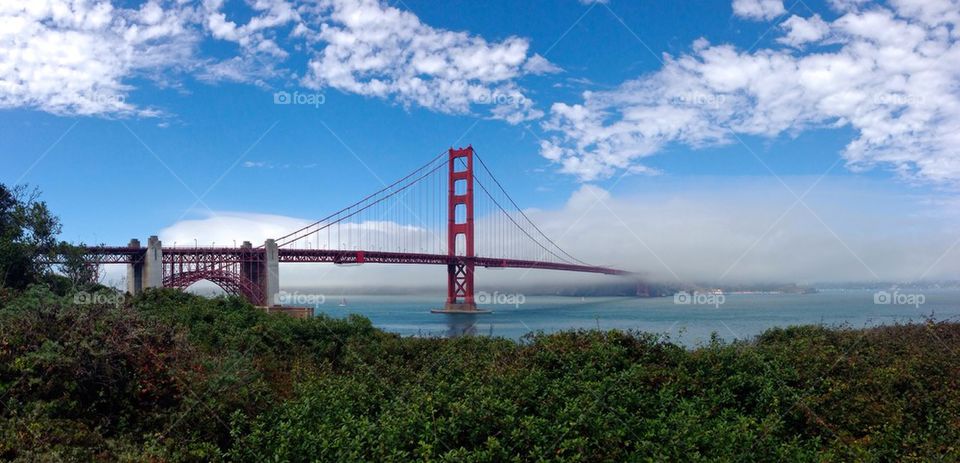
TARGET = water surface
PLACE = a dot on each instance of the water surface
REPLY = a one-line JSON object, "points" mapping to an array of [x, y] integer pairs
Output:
{"points": [[741, 316]]}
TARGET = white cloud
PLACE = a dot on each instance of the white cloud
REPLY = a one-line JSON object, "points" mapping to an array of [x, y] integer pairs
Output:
{"points": [[73, 56], [758, 9], [80, 56], [372, 49], [260, 54], [257, 33], [930, 12], [539, 65], [845, 6], [226, 228], [801, 31], [891, 77]]}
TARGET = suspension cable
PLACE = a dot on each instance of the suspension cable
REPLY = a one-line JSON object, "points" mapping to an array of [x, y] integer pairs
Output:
{"points": [[484, 165], [411, 174], [287, 240]]}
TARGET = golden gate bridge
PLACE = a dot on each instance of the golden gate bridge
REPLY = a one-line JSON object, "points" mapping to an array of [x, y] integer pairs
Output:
{"points": [[447, 212]]}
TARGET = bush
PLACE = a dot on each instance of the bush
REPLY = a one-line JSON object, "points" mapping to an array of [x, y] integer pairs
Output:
{"points": [[169, 376], [74, 377]]}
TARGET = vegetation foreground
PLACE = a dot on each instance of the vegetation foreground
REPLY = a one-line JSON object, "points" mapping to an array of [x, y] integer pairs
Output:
{"points": [[174, 377], [87, 374]]}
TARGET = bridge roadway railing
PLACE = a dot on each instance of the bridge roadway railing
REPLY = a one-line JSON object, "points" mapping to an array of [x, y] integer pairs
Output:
{"points": [[127, 255], [387, 257]]}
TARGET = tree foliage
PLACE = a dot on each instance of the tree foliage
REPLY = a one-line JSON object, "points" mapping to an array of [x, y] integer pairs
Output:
{"points": [[28, 236], [169, 376], [30, 250]]}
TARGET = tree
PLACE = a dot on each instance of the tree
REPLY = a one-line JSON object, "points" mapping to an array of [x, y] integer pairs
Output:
{"points": [[75, 267], [28, 237]]}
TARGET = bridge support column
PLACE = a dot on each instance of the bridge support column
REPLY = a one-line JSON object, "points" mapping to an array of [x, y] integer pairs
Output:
{"points": [[460, 270], [270, 276], [135, 272], [147, 273], [251, 266], [153, 264]]}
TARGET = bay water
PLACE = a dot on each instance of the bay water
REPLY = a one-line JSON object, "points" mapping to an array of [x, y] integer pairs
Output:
{"points": [[690, 322]]}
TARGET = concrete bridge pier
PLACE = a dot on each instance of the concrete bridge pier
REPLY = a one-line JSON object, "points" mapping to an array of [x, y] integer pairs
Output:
{"points": [[135, 272], [250, 266], [147, 273], [270, 278], [266, 273]]}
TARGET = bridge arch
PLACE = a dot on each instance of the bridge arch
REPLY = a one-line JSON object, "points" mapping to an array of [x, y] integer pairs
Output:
{"points": [[232, 283]]}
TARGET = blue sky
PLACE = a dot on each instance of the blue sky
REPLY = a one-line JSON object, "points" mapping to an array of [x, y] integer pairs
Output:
{"points": [[125, 114]]}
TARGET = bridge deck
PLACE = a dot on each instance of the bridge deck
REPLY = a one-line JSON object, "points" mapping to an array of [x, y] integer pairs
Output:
{"points": [[124, 255]]}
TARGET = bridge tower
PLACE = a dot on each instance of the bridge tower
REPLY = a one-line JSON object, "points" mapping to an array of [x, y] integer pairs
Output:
{"points": [[460, 223]]}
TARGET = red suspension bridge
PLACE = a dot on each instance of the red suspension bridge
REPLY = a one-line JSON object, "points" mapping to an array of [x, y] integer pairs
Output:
{"points": [[447, 212]]}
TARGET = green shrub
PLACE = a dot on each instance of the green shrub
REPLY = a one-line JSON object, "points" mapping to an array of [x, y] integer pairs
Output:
{"points": [[169, 376]]}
